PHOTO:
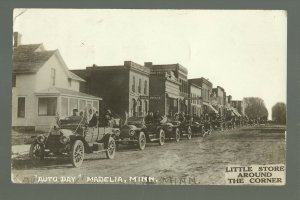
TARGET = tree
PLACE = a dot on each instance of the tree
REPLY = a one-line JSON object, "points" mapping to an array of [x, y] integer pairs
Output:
{"points": [[255, 108], [279, 113]]}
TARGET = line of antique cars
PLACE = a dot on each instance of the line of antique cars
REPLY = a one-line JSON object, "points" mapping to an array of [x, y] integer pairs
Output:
{"points": [[72, 137]]}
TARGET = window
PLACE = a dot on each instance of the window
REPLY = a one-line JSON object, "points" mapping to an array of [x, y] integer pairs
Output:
{"points": [[47, 106], [82, 105], [14, 80], [95, 105], [145, 87], [53, 74], [73, 105], [64, 107], [140, 85], [70, 82], [133, 84], [21, 107]]}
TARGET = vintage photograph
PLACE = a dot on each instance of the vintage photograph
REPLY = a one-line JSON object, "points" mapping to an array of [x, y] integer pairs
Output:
{"points": [[149, 96]]}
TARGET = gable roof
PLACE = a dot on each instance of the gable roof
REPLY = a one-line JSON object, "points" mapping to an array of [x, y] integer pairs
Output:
{"points": [[28, 59]]}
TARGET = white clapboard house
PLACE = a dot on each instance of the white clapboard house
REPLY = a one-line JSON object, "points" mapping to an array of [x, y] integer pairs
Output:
{"points": [[42, 86]]}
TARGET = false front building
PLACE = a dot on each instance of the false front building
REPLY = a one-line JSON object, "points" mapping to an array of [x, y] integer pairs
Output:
{"points": [[124, 88], [169, 82], [206, 91]]}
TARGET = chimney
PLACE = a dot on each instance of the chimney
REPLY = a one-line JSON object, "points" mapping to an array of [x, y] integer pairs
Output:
{"points": [[148, 64], [127, 63], [17, 39]]}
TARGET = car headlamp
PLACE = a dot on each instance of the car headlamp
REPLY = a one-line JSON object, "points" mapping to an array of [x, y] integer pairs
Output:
{"points": [[63, 139], [131, 132], [40, 138]]}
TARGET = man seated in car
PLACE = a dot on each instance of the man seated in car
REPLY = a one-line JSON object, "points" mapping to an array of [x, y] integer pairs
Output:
{"points": [[94, 118], [149, 119], [157, 117], [75, 115]]}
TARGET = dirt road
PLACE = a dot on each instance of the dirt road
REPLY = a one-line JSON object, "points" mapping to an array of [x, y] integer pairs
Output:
{"points": [[196, 161]]}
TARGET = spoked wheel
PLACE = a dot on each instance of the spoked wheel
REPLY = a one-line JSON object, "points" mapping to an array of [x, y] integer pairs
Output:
{"points": [[177, 134], [189, 133], [111, 148], [142, 141], [77, 153], [36, 152], [162, 137]]}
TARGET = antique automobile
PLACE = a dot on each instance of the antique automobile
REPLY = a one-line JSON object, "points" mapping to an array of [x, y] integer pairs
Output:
{"points": [[197, 127], [171, 129], [217, 123], [229, 122], [135, 131], [73, 137], [185, 129]]}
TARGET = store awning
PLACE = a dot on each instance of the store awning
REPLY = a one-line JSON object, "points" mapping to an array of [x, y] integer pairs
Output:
{"points": [[211, 107], [236, 112], [173, 96]]}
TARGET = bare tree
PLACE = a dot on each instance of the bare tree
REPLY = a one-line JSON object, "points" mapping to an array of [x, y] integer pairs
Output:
{"points": [[255, 108], [279, 113]]}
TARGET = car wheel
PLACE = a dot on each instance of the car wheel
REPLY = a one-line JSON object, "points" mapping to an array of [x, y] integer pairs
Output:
{"points": [[117, 146], [77, 153], [142, 141], [189, 133], [162, 137], [177, 134], [36, 152], [111, 148]]}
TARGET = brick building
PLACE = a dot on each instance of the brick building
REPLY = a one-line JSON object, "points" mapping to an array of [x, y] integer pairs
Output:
{"points": [[219, 99], [177, 73], [206, 91], [195, 99], [239, 106], [124, 88]]}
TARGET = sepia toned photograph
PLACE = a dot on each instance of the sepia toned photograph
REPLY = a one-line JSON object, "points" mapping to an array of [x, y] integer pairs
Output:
{"points": [[149, 97]]}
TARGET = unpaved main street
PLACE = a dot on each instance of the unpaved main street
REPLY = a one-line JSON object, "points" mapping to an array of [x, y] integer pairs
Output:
{"points": [[200, 159]]}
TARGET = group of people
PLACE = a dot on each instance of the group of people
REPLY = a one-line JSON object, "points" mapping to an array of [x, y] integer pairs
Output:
{"points": [[92, 118]]}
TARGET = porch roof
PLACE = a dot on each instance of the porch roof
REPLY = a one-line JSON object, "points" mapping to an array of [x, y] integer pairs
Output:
{"points": [[62, 91]]}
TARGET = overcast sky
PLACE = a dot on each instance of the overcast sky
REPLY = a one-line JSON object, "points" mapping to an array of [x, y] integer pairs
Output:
{"points": [[242, 51]]}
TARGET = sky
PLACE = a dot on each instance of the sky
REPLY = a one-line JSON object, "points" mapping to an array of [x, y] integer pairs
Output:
{"points": [[243, 51]]}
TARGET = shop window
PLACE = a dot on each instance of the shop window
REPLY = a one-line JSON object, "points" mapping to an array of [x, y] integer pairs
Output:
{"points": [[47, 106], [21, 107], [133, 84], [140, 86]]}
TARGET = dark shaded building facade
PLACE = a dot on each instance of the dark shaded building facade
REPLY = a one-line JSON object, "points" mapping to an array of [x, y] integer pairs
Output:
{"points": [[239, 106], [219, 99], [171, 82], [124, 88]]}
